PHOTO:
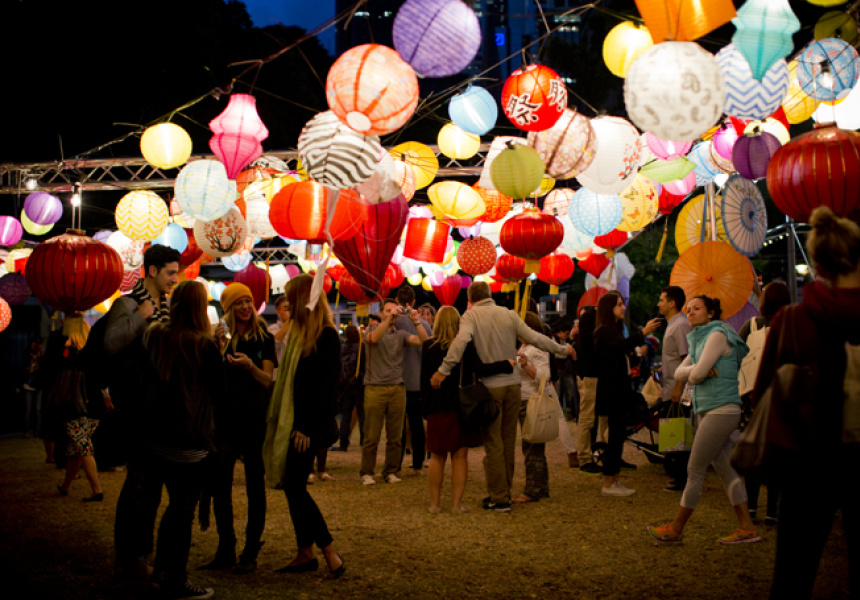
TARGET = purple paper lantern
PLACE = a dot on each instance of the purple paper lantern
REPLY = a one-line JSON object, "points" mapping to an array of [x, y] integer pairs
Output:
{"points": [[103, 235], [752, 153], [42, 208], [437, 38], [14, 289], [10, 231]]}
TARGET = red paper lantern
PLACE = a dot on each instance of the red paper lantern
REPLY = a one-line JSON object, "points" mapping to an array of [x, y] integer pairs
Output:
{"points": [[426, 240], [72, 272], [299, 211], [496, 287], [394, 276], [611, 241], [594, 264], [511, 268], [447, 291], [498, 205], [590, 297], [238, 133], [336, 271], [327, 281], [668, 201], [532, 235], [534, 98], [821, 167], [192, 252], [192, 271], [476, 256], [258, 282], [740, 125], [555, 269], [353, 290]]}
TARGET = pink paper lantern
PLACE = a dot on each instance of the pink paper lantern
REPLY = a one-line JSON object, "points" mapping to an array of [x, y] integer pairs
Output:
{"points": [[666, 150], [10, 231], [724, 141], [681, 187], [238, 133]]}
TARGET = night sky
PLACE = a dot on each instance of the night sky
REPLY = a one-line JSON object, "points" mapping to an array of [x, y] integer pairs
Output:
{"points": [[303, 13]]}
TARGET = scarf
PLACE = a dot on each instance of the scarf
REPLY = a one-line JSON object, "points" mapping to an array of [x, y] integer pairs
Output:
{"points": [[141, 295], [279, 418]]}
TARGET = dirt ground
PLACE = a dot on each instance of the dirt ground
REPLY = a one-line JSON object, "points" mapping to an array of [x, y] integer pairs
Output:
{"points": [[575, 544]]}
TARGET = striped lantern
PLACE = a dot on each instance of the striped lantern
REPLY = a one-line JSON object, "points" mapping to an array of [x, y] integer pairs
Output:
{"points": [[763, 33], [474, 111], [166, 146], [476, 255], [129, 280], [42, 208], [383, 184], [593, 213], [828, 69], [706, 169], [204, 191], [555, 268], [142, 215], [619, 154], [372, 89], [534, 98], [223, 236], [335, 155], [237, 262], [238, 133], [517, 171], [568, 147], [359, 293], [531, 235], [511, 268], [666, 150], [404, 177], [300, 210], [747, 97], [498, 205]]}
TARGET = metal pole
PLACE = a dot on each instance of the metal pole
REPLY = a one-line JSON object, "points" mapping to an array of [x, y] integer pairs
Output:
{"points": [[792, 261]]}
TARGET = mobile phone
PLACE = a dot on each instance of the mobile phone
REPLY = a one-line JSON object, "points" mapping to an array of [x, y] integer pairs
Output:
{"points": [[226, 329]]}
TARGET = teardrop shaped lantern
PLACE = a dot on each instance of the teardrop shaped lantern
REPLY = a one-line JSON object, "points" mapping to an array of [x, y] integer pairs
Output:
{"points": [[238, 133], [764, 30]]}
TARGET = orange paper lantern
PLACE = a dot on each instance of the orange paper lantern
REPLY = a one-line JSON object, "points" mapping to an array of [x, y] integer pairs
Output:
{"points": [[534, 98], [684, 20], [299, 212], [498, 205], [426, 240], [476, 256]]}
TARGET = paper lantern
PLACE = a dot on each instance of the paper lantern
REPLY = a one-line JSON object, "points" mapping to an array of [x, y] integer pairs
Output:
{"points": [[666, 150], [476, 256], [129, 280], [174, 237], [594, 264], [32, 228], [667, 201], [684, 72], [623, 45], [335, 155], [372, 90], [10, 230], [663, 171], [568, 147], [684, 20], [752, 153], [394, 276], [497, 204], [299, 212], [681, 187], [611, 241], [448, 289], [557, 202], [422, 160], [828, 69], [383, 184], [203, 190], [237, 262], [5, 315], [797, 105], [192, 252], [534, 98], [257, 281], [639, 204], [424, 30], [531, 235], [723, 141], [837, 24], [457, 144], [352, 290], [141, 215], [130, 251], [593, 213], [706, 169], [619, 155], [43, 208], [511, 268], [14, 288], [72, 272], [16, 259], [846, 114], [763, 33], [821, 167], [555, 269], [238, 133], [257, 219], [456, 200], [166, 146], [517, 171], [474, 111], [223, 236], [746, 96], [575, 242], [426, 240]]}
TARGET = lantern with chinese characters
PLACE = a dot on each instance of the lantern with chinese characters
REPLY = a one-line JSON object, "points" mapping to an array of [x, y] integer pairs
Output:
{"points": [[474, 111], [456, 200], [534, 98], [299, 212], [685, 72], [555, 269], [5, 315], [238, 133], [476, 256], [43, 208], [72, 272], [623, 45], [497, 204], [828, 69], [517, 171], [684, 19], [11, 230], [223, 236], [639, 204], [511, 268], [666, 150], [457, 144], [746, 96], [752, 153], [142, 215], [166, 146], [619, 154], [335, 155], [567, 148], [593, 213], [203, 190], [426, 240], [447, 289], [821, 167], [174, 237], [531, 235], [372, 89], [763, 35], [257, 281]]}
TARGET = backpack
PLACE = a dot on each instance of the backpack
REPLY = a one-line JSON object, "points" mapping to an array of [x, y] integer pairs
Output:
{"points": [[750, 364]]}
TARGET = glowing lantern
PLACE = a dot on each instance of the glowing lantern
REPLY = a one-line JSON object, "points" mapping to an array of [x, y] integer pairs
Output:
{"points": [[105, 305], [668, 202], [497, 204], [456, 200], [821, 167], [797, 105], [557, 202], [394, 276], [257, 281], [423, 32], [457, 144], [619, 154], [752, 153], [279, 277], [174, 237], [623, 45], [16, 259], [568, 147], [639, 204], [837, 24], [415, 279], [256, 177], [746, 96], [141, 215], [72, 272], [223, 236], [257, 219], [5, 315], [534, 98], [511, 268], [594, 264], [724, 140], [448, 289], [43, 208], [129, 280], [130, 251], [575, 242], [476, 256], [372, 90], [237, 262], [531, 235], [404, 176], [474, 111], [517, 171], [10, 231], [426, 240], [182, 219], [238, 133], [383, 185], [32, 228], [666, 150], [335, 155], [846, 114], [555, 269], [203, 190], [684, 20], [681, 187], [763, 33], [593, 213], [828, 69], [706, 169], [190, 272], [611, 241], [299, 212], [166, 146], [665, 71], [422, 160]]}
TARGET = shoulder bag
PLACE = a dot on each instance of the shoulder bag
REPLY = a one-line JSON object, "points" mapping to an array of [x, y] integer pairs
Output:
{"points": [[541, 422], [477, 408]]}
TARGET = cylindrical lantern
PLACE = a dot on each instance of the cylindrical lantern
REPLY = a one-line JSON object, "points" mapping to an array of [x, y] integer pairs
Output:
{"points": [[142, 215], [666, 150], [531, 235], [335, 155], [568, 147], [299, 212], [511, 268], [474, 111], [534, 98], [828, 69], [498, 205], [203, 190], [623, 45], [618, 157], [11, 230], [165, 146], [42, 208], [457, 144], [476, 256], [372, 90], [593, 213], [425, 31], [746, 96], [752, 153], [174, 237], [426, 240], [456, 200], [238, 133], [555, 269], [257, 281], [223, 236], [517, 171]]}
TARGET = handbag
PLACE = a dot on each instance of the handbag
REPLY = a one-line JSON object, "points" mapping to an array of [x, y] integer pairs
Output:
{"points": [[675, 433], [652, 391], [750, 364], [541, 423], [477, 408]]}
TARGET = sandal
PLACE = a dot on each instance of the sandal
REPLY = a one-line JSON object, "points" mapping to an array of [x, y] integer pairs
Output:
{"points": [[665, 534]]}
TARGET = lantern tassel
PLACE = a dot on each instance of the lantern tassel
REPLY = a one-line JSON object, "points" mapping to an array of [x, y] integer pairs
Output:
{"points": [[532, 266], [663, 241], [517, 298], [553, 289], [527, 294], [362, 310], [358, 362]]}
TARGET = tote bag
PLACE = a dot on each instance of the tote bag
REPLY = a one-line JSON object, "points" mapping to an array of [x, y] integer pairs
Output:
{"points": [[750, 363], [675, 432], [541, 422]]}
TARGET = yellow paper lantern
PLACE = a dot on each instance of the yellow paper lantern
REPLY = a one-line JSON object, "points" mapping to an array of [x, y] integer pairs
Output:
{"points": [[404, 177], [837, 23], [640, 204], [421, 158], [425, 284], [269, 187], [771, 126], [104, 306], [623, 45], [546, 185], [456, 200], [457, 144], [166, 146], [33, 228], [142, 215], [798, 106], [415, 279]]}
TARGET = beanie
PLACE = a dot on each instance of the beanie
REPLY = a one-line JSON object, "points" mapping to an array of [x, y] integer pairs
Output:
{"points": [[233, 292]]}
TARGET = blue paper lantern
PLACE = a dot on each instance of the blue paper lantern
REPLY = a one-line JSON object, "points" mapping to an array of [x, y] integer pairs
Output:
{"points": [[215, 291], [593, 213], [237, 262], [474, 111], [174, 237], [203, 190], [763, 35], [706, 168], [828, 69], [438, 38], [747, 97]]}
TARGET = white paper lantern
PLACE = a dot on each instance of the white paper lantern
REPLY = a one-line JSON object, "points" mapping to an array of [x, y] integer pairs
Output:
{"points": [[383, 185], [593, 213], [279, 277], [257, 218], [746, 97], [618, 157], [237, 262], [846, 113], [575, 243], [221, 237], [203, 190], [130, 251]]}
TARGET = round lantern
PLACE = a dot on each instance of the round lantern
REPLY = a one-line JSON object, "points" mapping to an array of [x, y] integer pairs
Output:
{"points": [[828, 69], [166, 146], [746, 96], [174, 237], [257, 176], [456, 200], [5, 315], [257, 219], [237, 262], [257, 281], [372, 90], [424, 30], [517, 171], [32, 228], [837, 24], [130, 251], [593, 213], [404, 177], [426, 240], [72, 272], [383, 185], [474, 111], [666, 150], [223, 236], [14, 288], [476, 256], [611, 241], [752, 153], [846, 114], [723, 142], [668, 202], [619, 154], [497, 204], [534, 98], [555, 269], [448, 289], [192, 253], [511, 268], [129, 280], [531, 235], [43, 208], [706, 168], [457, 144], [238, 132], [141, 215], [335, 155], [568, 147], [11, 230], [639, 204], [421, 158], [203, 190], [821, 167], [299, 212], [685, 72], [557, 202], [575, 242], [623, 45], [798, 106]]}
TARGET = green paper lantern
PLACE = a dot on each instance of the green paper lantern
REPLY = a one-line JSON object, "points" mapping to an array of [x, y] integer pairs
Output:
{"points": [[664, 171], [518, 171], [763, 35]]}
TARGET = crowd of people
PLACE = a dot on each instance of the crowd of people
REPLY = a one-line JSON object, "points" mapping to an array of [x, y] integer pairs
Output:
{"points": [[189, 398]]}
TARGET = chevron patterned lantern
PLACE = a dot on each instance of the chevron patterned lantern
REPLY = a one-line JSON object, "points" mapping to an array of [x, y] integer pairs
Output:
{"points": [[335, 155], [142, 215], [763, 33], [238, 133], [747, 97], [203, 190]]}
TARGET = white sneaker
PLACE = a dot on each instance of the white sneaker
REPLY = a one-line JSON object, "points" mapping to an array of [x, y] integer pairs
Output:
{"points": [[392, 478], [616, 489], [311, 478], [367, 480]]}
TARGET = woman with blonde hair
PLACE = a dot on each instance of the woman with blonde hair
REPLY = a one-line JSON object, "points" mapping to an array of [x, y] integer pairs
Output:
{"points": [[301, 421]]}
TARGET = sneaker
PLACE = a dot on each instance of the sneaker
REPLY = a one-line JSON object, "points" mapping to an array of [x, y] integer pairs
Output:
{"points": [[502, 507], [326, 477], [367, 480], [741, 536], [187, 591], [485, 503], [591, 468], [311, 478], [628, 466], [573, 460], [392, 478], [665, 534], [617, 490]]}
